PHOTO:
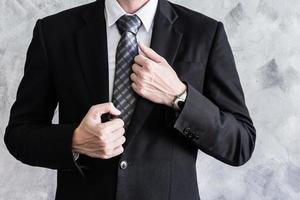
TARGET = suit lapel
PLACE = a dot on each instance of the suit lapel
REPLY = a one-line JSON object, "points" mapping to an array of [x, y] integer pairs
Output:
{"points": [[92, 49], [165, 41]]}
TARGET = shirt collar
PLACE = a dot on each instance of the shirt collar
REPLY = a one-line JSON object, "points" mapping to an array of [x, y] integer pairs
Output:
{"points": [[114, 11]]}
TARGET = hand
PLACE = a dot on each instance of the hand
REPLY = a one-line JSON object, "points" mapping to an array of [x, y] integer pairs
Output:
{"points": [[154, 79], [96, 139]]}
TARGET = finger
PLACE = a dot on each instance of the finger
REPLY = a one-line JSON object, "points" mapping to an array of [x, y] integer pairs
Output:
{"points": [[141, 60], [117, 151], [140, 91], [115, 139], [117, 134], [136, 68], [150, 53], [110, 148], [135, 78], [139, 81], [109, 127], [134, 87], [118, 142]]}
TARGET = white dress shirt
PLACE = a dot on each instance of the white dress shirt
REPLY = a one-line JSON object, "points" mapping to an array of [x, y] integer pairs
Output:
{"points": [[113, 11]]}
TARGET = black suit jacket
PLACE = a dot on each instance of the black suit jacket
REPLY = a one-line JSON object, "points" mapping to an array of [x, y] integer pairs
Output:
{"points": [[67, 65]]}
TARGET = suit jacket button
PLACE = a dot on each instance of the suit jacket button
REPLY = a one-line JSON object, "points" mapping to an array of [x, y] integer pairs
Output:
{"points": [[186, 131], [123, 164], [190, 135]]}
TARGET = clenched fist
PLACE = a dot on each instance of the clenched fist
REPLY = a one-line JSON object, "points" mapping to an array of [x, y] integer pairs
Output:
{"points": [[96, 139]]}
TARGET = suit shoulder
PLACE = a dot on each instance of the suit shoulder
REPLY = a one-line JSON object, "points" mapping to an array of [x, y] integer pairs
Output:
{"points": [[188, 18], [66, 16]]}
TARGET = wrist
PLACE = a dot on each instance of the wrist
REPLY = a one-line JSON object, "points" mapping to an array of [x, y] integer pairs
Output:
{"points": [[181, 89], [179, 100]]}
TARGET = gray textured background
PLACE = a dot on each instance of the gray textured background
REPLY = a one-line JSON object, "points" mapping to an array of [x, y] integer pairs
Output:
{"points": [[265, 37]]}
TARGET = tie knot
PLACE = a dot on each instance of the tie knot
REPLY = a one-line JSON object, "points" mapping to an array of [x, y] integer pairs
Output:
{"points": [[129, 23]]}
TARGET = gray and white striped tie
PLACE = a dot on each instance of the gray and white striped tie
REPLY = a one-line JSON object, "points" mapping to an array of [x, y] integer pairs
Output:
{"points": [[124, 97]]}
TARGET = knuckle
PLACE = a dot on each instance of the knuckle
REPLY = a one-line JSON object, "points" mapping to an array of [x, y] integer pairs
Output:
{"points": [[102, 142], [119, 120], [107, 130], [102, 126], [132, 76], [147, 63], [108, 151], [107, 145], [98, 129], [122, 130], [138, 84], [147, 68], [102, 138], [123, 140], [104, 132], [104, 156], [135, 65], [143, 76], [92, 108], [91, 155], [121, 149], [137, 87], [122, 122], [105, 153], [141, 90], [110, 105], [136, 57]]}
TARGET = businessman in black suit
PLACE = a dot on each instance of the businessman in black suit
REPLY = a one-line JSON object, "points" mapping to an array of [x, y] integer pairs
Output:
{"points": [[139, 140]]}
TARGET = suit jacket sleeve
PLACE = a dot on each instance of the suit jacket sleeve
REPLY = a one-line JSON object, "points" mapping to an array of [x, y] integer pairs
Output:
{"points": [[30, 135], [217, 121]]}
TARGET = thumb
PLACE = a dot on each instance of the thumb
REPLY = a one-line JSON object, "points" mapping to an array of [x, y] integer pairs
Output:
{"points": [[150, 53], [106, 108], [112, 109]]}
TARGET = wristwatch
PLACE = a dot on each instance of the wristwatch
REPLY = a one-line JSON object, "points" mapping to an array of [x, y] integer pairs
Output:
{"points": [[179, 101]]}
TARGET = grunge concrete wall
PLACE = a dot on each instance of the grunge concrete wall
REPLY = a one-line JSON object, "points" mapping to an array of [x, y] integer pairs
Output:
{"points": [[265, 38]]}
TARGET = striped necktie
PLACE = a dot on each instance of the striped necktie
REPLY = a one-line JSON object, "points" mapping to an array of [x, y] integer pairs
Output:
{"points": [[124, 97]]}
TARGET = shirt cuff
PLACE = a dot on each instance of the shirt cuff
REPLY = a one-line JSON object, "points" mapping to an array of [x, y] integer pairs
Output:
{"points": [[75, 156]]}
